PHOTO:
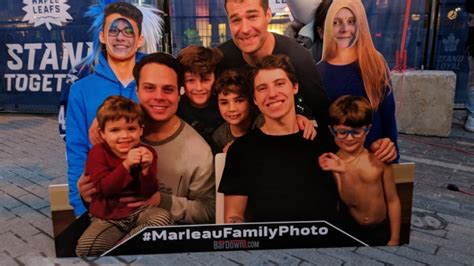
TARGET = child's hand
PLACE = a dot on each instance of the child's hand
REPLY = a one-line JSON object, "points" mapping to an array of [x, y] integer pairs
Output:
{"points": [[134, 157], [331, 162], [147, 158]]}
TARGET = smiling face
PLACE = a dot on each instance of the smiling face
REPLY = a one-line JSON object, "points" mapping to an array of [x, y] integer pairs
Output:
{"points": [[234, 108], [248, 23], [274, 93], [198, 89], [158, 91], [120, 36], [121, 136], [345, 28]]}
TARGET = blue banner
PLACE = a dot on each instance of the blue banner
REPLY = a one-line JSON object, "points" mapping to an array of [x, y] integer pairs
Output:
{"points": [[450, 51], [40, 41]]}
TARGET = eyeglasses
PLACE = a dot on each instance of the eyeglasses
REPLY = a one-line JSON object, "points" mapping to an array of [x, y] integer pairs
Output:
{"points": [[127, 32], [343, 133]]}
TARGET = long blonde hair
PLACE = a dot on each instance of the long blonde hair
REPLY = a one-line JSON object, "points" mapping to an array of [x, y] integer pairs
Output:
{"points": [[373, 67]]}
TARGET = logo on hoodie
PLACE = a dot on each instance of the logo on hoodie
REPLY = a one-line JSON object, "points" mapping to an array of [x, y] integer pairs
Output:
{"points": [[39, 12]]}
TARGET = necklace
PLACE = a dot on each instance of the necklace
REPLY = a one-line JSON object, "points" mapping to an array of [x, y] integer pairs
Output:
{"points": [[356, 157]]}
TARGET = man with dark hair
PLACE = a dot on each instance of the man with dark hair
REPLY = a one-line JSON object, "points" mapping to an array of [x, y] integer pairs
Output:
{"points": [[271, 173], [185, 168], [120, 37], [185, 165], [251, 41]]}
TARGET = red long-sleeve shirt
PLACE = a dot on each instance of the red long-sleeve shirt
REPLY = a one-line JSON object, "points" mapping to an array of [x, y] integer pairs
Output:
{"points": [[112, 181]]}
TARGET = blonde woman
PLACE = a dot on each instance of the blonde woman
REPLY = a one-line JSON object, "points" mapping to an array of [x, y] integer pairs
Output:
{"points": [[350, 65]]}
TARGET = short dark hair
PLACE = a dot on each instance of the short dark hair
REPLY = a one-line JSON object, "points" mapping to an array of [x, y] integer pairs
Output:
{"points": [[233, 81], [320, 16], [274, 62], [162, 59], [263, 3], [200, 60], [125, 9], [117, 107], [351, 111]]}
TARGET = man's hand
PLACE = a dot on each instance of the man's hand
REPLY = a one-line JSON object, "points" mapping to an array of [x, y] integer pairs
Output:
{"points": [[307, 125], [331, 162], [384, 150], [94, 133], [86, 188], [134, 202]]}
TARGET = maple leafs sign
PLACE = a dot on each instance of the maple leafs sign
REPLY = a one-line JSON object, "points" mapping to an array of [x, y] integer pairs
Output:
{"points": [[46, 12]]}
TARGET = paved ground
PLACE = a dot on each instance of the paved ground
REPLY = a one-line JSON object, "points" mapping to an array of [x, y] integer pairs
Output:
{"points": [[32, 157]]}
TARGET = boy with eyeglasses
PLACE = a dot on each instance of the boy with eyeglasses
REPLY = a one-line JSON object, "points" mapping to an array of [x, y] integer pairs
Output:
{"points": [[366, 185]]}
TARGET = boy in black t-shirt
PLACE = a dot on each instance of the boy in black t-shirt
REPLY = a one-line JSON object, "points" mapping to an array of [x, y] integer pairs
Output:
{"points": [[270, 173], [236, 108], [198, 105]]}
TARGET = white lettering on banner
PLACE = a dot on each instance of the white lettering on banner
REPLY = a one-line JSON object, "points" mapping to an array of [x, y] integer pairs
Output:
{"points": [[32, 47], [50, 55], [34, 82], [39, 12], [450, 62], [230, 232], [18, 63], [39, 58], [70, 57]]}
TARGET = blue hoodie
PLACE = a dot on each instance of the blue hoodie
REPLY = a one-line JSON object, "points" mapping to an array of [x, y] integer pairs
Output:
{"points": [[85, 96]]}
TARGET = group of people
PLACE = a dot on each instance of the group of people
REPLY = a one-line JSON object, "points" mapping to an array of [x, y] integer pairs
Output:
{"points": [[140, 154]]}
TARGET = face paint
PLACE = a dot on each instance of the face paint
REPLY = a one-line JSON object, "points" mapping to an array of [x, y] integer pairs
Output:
{"points": [[121, 26], [121, 38], [345, 28]]}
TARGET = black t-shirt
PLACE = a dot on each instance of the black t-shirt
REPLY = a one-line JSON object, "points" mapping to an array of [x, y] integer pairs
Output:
{"points": [[315, 101], [311, 100], [281, 177], [203, 120]]}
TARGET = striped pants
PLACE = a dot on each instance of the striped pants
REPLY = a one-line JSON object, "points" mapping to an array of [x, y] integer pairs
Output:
{"points": [[102, 235]]}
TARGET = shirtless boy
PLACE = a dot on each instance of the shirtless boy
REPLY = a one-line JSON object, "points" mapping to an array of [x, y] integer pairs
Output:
{"points": [[366, 185]]}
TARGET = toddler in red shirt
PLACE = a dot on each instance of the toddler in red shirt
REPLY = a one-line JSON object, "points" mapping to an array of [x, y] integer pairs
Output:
{"points": [[120, 167]]}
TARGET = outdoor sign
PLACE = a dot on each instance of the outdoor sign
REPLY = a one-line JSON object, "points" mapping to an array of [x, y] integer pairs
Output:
{"points": [[225, 237], [451, 52], [42, 40]]}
